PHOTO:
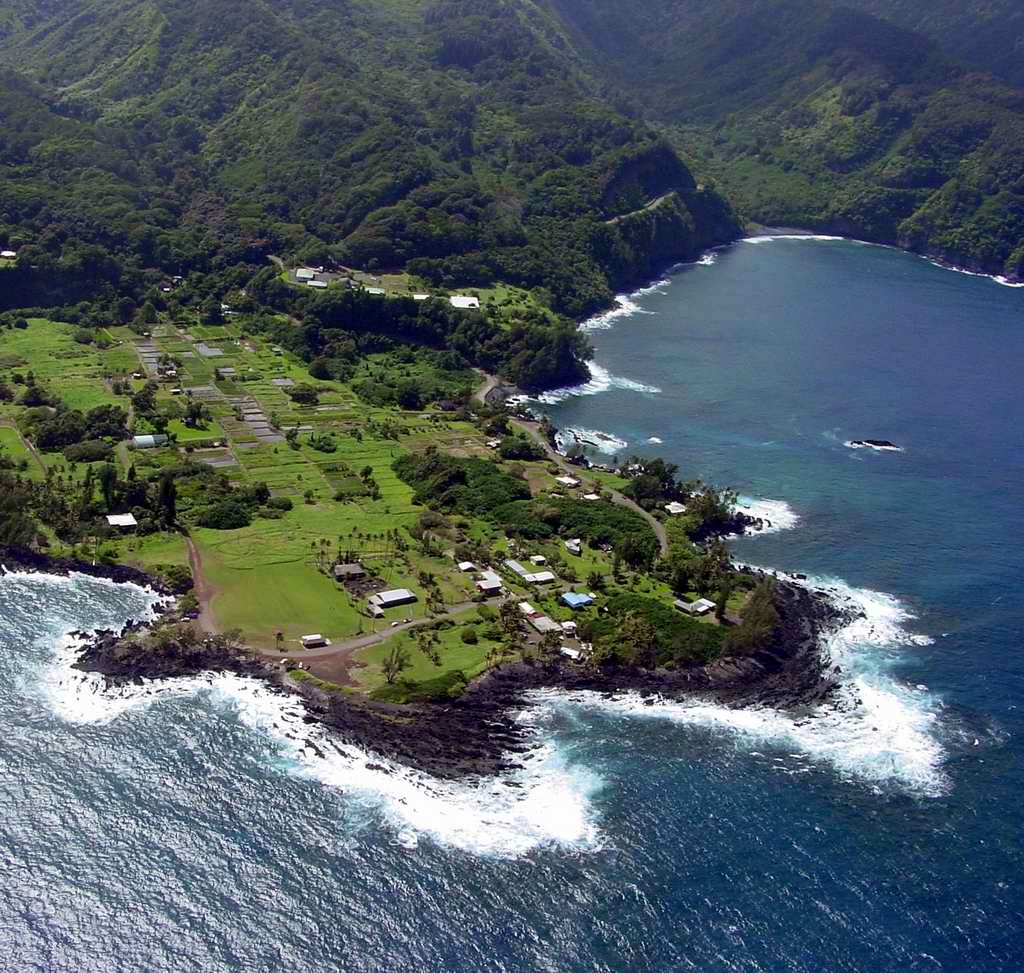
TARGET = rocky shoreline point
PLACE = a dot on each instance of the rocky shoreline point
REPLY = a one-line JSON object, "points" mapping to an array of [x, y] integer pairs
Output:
{"points": [[479, 734]]}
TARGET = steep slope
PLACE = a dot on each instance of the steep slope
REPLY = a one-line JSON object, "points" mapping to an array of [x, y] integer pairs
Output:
{"points": [[465, 140], [987, 34], [821, 116]]}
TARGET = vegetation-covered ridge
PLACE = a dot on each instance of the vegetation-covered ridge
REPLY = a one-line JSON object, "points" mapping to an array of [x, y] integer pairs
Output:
{"points": [[462, 141], [820, 116]]}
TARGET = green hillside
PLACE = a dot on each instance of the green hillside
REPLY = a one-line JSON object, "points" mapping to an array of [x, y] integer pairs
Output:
{"points": [[462, 141], [825, 117]]}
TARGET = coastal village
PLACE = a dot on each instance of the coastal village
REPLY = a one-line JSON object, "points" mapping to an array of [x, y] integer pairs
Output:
{"points": [[340, 574]]}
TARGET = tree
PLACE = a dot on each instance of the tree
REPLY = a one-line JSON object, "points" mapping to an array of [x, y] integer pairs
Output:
{"points": [[108, 484], [396, 661], [640, 638], [510, 618], [549, 645], [147, 313], [197, 415], [595, 581], [724, 594], [168, 499], [17, 525], [279, 641], [760, 617]]}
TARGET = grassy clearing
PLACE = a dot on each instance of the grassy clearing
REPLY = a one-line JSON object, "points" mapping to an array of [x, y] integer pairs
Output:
{"points": [[455, 656]]}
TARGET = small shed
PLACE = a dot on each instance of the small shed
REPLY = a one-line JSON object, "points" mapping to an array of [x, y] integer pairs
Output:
{"points": [[319, 284], [314, 641], [567, 481], [591, 496], [304, 273], [573, 654], [675, 508], [124, 521], [8, 254], [466, 566], [538, 559], [574, 546]]}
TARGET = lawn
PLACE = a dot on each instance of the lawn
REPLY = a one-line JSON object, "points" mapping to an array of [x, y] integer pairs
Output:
{"points": [[455, 655]]}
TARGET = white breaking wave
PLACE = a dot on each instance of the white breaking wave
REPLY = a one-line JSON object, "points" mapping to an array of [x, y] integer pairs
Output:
{"points": [[861, 444], [600, 381], [546, 803], [594, 438], [881, 732], [790, 236], [776, 514], [655, 439], [625, 307]]}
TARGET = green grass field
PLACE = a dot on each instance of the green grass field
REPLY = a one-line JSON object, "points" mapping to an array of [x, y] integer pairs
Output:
{"points": [[454, 654]]}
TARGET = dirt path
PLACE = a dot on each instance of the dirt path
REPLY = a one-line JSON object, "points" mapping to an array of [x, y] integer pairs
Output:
{"points": [[203, 590], [491, 382], [28, 445]]}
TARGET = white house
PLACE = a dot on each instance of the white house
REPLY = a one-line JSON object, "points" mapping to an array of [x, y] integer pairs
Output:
{"points": [[541, 577], [124, 521], [567, 481], [543, 624], [675, 508], [538, 559], [574, 546], [378, 291], [591, 496], [699, 607], [466, 566], [525, 608], [464, 302], [305, 274], [319, 284], [8, 254], [420, 297], [314, 641]]}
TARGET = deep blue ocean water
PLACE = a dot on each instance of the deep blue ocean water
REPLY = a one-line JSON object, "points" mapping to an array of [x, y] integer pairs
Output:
{"points": [[191, 829]]}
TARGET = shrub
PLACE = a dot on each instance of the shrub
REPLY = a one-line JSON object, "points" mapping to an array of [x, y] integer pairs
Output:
{"points": [[93, 451], [280, 503], [469, 635], [226, 514]]}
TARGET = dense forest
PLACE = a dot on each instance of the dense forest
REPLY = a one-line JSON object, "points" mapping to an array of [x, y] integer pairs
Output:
{"points": [[549, 144], [457, 140], [825, 117]]}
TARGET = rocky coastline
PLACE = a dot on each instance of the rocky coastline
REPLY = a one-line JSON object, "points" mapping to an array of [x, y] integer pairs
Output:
{"points": [[14, 559], [478, 735]]}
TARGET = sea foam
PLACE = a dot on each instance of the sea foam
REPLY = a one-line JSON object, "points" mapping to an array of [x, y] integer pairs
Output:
{"points": [[594, 438], [548, 802], [600, 381], [879, 732], [776, 514]]}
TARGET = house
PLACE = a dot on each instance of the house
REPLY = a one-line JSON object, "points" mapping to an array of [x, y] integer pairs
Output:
{"points": [[320, 284], [567, 481], [675, 508], [574, 546], [538, 559], [124, 521], [516, 568], [573, 654], [149, 442], [392, 599], [493, 443], [314, 641], [377, 291], [8, 254], [465, 303], [699, 607], [305, 274], [569, 628], [591, 496], [576, 600], [543, 624], [349, 572], [420, 297], [525, 608], [466, 566], [542, 577], [489, 583]]}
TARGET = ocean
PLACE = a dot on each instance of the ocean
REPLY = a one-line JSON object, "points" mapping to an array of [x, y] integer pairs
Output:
{"points": [[203, 826]]}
